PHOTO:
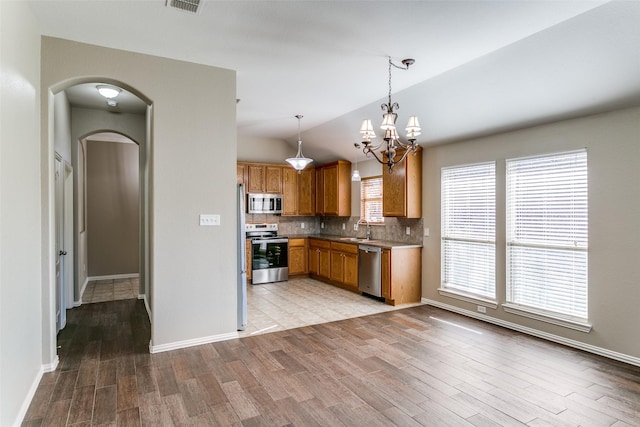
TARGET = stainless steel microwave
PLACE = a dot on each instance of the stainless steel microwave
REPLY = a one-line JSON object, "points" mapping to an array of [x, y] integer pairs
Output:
{"points": [[264, 203]]}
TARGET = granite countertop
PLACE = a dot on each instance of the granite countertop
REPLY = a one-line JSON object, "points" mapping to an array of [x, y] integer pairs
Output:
{"points": [[354, 241]]}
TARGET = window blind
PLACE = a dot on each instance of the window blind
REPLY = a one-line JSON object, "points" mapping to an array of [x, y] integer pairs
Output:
{"points": [[547, 232], [468, 228], [371, 199]]}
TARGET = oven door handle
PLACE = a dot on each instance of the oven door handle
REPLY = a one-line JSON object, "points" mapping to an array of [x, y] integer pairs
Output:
{"points": [[270, 241]]}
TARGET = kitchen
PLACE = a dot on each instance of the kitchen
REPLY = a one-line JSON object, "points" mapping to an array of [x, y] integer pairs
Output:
{"points": [[333, 246]]}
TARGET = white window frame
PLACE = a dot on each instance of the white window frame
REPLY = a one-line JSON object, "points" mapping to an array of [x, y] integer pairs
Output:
{"points": [[363, 199], [550, 248], [469, 235]]}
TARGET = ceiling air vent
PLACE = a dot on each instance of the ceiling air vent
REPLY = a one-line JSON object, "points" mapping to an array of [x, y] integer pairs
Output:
{"points": [[191, 6]]}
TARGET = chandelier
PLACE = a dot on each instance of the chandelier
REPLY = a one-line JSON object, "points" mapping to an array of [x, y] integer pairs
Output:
{"points": [[391, 146], [299, 162]]}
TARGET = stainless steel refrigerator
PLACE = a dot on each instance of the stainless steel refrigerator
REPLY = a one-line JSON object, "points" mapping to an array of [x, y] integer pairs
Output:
{"points": [[242, 263]]}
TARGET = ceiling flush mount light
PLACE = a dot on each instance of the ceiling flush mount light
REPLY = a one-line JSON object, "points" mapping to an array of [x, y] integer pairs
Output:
{"points": [[299, 162], [108, 91], [392, 150]]}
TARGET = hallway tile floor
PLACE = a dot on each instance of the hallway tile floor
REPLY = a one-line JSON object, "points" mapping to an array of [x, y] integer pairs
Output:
{"points": [[110, 290]]}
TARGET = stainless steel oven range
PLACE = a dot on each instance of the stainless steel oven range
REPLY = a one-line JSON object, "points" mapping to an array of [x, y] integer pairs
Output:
{"points": [[269, 253]]}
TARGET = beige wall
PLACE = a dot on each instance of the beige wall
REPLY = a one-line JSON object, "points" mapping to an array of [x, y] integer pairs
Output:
{"points": [[268, 150], [193, 129], [613, 147], [112, 181], [21, 302]]}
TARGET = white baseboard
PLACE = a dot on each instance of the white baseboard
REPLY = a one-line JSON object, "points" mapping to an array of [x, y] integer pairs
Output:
{"points": [[84, 286], [32, 390], [190, 343], [115, 277], [51, 366], [536, 333]]}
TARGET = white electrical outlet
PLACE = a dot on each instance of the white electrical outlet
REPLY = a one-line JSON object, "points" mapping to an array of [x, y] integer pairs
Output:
{"points": [[408, 231], [302, 225], [344, 226], [209, 220], [322, 225], [482, 309], [426, 232], [355, 227]]}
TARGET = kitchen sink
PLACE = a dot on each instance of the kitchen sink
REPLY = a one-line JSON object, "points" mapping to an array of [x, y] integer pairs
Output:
{"points": [[357, 239]]}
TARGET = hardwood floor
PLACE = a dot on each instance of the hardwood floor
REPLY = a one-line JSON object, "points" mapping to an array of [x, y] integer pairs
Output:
{"points": [[410, 367]]}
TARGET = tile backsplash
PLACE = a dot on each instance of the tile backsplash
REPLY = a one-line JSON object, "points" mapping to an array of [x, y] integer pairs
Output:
{"points": [[394, 229]]}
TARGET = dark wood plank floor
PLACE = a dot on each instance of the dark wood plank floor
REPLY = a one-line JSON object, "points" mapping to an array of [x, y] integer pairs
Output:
{"points": [[411, 367]]}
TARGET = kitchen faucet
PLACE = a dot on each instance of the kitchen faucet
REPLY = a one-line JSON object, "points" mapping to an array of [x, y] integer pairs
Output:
{"points": [[365, 222]]}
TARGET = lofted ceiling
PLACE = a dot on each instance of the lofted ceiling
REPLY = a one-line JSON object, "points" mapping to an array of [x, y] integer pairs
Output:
{"points": [[482, 66]]}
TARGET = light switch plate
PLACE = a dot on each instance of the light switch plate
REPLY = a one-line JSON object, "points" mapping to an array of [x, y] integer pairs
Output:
{"points": [[407, 230], [302, 225], [426, 232], [209, 220]]}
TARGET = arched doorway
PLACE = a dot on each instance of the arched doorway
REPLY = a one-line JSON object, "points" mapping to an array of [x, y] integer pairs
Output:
{"points": [[79, 111]]}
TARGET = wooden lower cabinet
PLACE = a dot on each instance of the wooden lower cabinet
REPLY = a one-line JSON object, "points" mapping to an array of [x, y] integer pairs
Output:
{"points": [[298, 257], [319, 258], [337, 263], [344, 264], [401, 270]]}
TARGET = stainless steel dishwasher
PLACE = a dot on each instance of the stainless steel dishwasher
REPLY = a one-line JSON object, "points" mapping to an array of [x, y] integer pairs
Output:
{"points": [[369, 275]]}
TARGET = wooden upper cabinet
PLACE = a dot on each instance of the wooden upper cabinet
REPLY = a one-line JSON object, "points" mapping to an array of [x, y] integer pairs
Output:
{"points": [[240, 173], [299, 192], [261, 178], [402, 188], [306, 192], [333, 189], [273, 179], [290, 193], [255, 178], [319, 191]]}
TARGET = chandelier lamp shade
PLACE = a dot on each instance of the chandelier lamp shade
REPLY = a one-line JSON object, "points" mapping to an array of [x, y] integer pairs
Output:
{"points": [[299, 162], [391, 150]]}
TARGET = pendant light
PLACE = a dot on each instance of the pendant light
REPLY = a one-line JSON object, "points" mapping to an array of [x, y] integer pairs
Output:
{"points": [[355, 177], [299, 162]]}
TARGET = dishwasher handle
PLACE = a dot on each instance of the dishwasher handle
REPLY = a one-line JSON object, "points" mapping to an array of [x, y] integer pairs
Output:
{"points": [[368, 248]]}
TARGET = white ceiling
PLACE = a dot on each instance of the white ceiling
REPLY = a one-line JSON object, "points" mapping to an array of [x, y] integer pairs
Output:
{"points": [[481, 66]]}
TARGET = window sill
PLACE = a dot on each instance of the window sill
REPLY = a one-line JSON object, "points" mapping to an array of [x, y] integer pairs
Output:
{"points": [[543, 316], [468, 297]]}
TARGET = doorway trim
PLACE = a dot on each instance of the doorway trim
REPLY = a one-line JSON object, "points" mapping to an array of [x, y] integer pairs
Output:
{"points": [[50, 358]]}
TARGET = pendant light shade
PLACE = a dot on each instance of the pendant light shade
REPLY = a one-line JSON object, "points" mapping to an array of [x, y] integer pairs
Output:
{"points": [[299, 162], [355, 176]]}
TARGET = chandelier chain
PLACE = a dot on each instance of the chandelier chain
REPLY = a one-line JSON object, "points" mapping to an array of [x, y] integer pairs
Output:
{"points": [[390, 63]]}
